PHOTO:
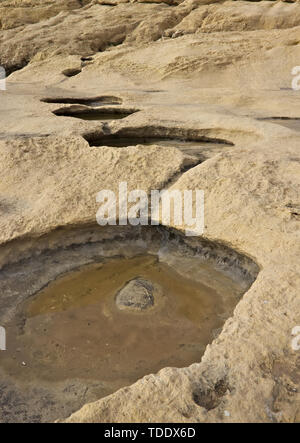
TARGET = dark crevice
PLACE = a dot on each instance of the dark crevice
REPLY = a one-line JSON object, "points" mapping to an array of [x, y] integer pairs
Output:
{"points": [[71, 72], [87, 59], [149, 134], [185, 168], [211, 398], [115, 42], [122, 142], [13, 68], [279, 118], [87, 113], [107, 4], [90, 101]]}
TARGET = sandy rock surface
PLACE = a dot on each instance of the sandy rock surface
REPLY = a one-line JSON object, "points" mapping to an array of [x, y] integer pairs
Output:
{"points": [[192, 69], [16, 13]]}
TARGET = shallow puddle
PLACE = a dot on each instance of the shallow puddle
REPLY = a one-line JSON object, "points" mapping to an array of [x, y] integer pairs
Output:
{"points": [[73, 336], [74, 329], [200, 149]]}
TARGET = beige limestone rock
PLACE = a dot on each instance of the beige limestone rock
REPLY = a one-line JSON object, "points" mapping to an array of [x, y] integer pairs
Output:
{"points": [[229, 65], [15, 13]]}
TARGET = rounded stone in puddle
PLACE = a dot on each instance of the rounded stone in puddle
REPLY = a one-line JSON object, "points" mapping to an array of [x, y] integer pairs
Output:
{"points": [[136, 295]]}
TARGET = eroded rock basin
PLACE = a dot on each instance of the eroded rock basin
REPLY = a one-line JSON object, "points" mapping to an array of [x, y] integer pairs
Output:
{"points": [[69, 343], [197, 148]]}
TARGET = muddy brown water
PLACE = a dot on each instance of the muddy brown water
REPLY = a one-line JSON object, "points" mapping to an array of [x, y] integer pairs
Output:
{"points": [[73, 329], [67, 342]]}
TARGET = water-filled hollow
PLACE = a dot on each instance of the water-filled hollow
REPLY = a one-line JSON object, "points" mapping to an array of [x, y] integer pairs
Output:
{"points": [[67, 328], [198, 146]]}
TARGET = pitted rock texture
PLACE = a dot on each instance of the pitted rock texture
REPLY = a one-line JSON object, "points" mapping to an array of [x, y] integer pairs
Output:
{"points": [[210, 69], [15, 13], [136, 295]]}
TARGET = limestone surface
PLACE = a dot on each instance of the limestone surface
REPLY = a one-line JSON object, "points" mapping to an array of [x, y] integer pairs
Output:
{"points": [[217, 71]]}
